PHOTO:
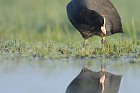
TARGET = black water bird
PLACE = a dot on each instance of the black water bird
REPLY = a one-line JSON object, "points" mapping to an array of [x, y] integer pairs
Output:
{"points": [[94, 17]]}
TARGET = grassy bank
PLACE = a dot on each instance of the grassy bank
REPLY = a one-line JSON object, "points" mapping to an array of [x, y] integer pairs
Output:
{"points": [[40, 28]]}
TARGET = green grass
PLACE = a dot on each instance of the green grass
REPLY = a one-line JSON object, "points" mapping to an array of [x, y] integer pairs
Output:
{"points": [[40, 28], [52, 49]]}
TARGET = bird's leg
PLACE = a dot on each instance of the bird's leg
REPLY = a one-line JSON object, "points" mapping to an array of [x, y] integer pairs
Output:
{"points": [[85, 43], [103, 39], [103, 29], [102, 80], [102, 68]]}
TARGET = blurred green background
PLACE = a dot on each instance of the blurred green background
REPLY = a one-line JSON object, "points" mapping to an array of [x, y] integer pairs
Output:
{"points": [[43, 20]]}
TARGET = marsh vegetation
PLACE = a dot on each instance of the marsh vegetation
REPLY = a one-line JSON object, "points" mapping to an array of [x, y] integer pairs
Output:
{"points": [[40, 28]]}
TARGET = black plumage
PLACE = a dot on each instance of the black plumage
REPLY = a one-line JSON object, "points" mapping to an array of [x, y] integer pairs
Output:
{"points": [[89, 16]]}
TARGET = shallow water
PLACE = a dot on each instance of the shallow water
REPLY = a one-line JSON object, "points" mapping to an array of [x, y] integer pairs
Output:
{"points": [[53, 76]]}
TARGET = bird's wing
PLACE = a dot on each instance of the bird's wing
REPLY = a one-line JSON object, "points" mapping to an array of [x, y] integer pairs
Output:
{"points": [[75, 18], [93, 18]]}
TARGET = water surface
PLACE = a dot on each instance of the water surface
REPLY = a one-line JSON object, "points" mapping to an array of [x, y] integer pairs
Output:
{"points": [[53, 76]]}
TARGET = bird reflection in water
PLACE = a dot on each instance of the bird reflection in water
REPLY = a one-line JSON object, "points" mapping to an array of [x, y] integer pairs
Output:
{"points": [[95, 82]]}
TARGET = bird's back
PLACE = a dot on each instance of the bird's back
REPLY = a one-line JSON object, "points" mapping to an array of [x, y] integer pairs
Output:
{"points": [[105, 8]]}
